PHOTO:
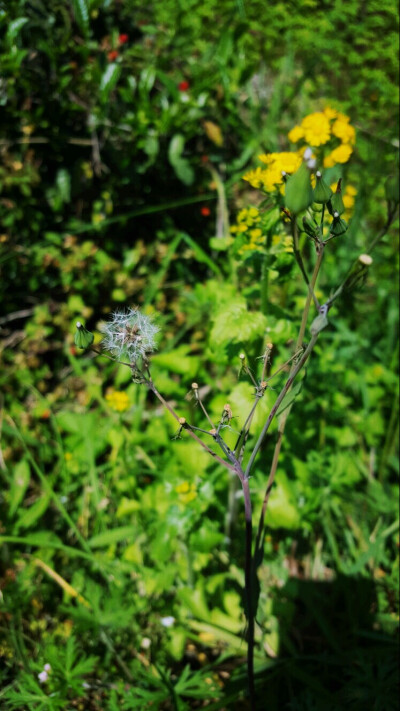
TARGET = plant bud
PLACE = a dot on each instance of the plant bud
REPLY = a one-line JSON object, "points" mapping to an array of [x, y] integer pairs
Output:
{"points": [[322, 191], [316, 207], [298, 190], [182, 421], [336, 203], [309, 228], [83, 338], [338, 226]]}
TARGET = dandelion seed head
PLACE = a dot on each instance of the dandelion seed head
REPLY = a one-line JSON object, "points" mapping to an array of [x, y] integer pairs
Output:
{"points": [[129, 334]]}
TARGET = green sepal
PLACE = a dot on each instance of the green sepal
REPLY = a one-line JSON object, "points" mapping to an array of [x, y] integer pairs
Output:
{"points": [[298, 190], [338, 226], [83, 338], [322, 192]]}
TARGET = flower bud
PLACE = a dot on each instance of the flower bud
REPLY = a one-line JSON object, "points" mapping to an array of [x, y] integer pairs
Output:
{"points": [[83, 338], [298, 190], [309, 228], [322, 191], [338, 226], [336, 203]]}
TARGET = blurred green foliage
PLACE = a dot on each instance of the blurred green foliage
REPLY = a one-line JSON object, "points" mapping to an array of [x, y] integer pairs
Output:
{"points": [[125, 131]]}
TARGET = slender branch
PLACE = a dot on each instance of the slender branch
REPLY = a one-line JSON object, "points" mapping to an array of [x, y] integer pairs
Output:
{"points": [[278, 401], [170, 409], [248, 576]]}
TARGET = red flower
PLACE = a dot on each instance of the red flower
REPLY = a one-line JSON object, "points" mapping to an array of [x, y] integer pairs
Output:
{"points": [[122, 39], [112, 55], [205, 211], [183, 86]]}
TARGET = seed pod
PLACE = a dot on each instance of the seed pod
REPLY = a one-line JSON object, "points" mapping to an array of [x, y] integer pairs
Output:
{"points": [[298, 190], [312, 230], [83, 338], [338, 226], [322, 191]]}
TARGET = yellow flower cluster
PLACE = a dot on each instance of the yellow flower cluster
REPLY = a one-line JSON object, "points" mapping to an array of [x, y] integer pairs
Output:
{"points": [[271, 177], [118, 401], [321, 127], [247, 221], [186, 492]]}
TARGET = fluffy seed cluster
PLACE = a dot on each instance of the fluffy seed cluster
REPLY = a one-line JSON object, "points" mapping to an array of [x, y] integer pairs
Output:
{"points": [[129, 335]]}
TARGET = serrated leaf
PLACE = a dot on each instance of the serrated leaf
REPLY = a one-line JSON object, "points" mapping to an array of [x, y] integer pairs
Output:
{"points": [[109, 79], [81, 14], [19, 485], [234, 324]]}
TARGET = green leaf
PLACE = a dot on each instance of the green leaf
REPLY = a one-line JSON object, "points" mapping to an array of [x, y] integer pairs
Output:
{"points": [[19, 485], [109, 79], [181, 166], [200, 254], [81, 14], [114, 536], [234, 324], [63, 183], [31, 515], [289, 397], [14, 28]]}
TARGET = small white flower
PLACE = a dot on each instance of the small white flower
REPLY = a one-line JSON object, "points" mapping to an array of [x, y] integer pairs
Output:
{"points": [[307, 154], [129, 335], [43, 676], [311, 163], [47, 667], [167, 621], [145, 643]]}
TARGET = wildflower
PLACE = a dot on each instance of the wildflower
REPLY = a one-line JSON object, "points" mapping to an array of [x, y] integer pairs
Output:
{"points": [[118, 401], [317, 130], [167, 621], [122, 39], [330, 113], [186, 492], [365, 259], [295, 134], [129, 335], [205, 211], [43, 677], [345, 131], [341, 154], [183, 86], [112, 55]]}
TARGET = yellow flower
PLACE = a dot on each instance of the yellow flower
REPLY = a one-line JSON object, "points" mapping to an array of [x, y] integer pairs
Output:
{"points": [[254, 177], [342, 153], [348, 201], [350, 189], [316, 128], [186, 492], [343, 130], [295, 134], [330, 113], [118, 401], [256, 233]]}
